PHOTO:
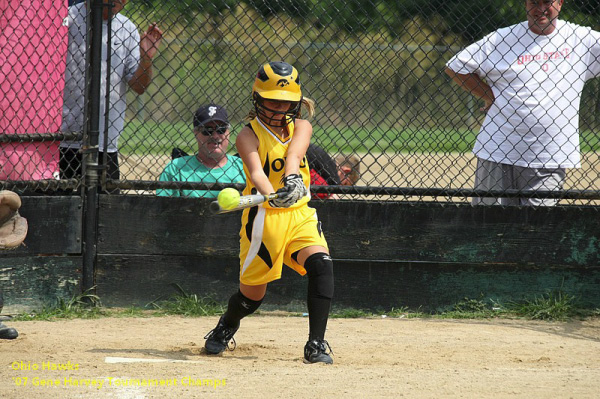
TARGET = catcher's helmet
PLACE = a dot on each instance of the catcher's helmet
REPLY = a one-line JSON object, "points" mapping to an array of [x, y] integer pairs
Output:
{"points": [[277, 81]]}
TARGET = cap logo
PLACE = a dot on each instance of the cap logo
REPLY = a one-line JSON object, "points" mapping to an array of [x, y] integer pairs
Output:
{"points": [[212, 111], [283, 83]]}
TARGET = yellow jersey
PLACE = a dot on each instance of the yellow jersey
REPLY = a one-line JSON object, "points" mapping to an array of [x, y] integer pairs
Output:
{"points": [[273, 152]]}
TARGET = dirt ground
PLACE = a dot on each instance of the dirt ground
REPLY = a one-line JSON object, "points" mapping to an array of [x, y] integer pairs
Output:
{"points": [[441, 170], [451, 170], [374, 358]]}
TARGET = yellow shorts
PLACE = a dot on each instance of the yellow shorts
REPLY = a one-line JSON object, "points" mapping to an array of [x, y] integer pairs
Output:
{"points": [[269, 237]]}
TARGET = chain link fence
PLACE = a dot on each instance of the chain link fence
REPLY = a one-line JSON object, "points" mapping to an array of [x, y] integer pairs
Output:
{"points": [[386, 111]]}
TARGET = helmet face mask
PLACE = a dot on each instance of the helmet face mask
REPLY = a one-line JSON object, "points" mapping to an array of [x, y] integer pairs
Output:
{"points": [[278, 82], [273, 117]]}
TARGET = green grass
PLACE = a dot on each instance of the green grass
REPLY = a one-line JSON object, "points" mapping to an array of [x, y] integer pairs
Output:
{"points": [[155, 138], [79, 306], [469, 308], [350, 314], [554, 306], [558, 306], [159, 138], [413, 140], [399, 313], [186, 304]]}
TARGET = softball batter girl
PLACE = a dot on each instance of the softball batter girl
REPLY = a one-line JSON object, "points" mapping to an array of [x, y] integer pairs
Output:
{"points": [[285, 230]]}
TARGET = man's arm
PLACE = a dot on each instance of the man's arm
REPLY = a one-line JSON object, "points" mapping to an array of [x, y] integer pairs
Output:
{"points": [[149, 43], [473, 84]]}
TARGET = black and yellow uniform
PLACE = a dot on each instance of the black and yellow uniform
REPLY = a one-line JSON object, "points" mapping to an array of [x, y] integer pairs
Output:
{"points": [[269, 236]]}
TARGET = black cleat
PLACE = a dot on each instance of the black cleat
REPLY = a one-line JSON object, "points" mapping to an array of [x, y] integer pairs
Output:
{"points": [[315, 351], [217, 340], [7, 332]]}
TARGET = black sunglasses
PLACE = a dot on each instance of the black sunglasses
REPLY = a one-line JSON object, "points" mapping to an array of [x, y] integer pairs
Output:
{"points": [[208, 131]]}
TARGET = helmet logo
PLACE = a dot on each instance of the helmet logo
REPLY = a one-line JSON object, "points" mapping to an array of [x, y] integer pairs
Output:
{"points": [[283, 83], [212, 111]]}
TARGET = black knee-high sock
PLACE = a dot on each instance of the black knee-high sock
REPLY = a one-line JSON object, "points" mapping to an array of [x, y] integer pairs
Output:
{"points": [[239, 307], [319, 268]]}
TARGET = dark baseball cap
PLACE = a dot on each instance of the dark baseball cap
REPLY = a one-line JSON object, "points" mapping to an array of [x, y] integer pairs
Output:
{"points": [[209, 113]]}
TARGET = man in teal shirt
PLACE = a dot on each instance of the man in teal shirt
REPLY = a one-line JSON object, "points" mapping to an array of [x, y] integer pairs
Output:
{"points": [[211, 164]]}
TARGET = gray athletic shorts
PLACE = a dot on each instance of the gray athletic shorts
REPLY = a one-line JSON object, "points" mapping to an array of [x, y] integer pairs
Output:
{"points": [[497, 176]]}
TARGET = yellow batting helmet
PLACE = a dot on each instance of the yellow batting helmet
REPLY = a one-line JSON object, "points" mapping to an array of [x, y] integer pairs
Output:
{"points": [[277, 81]]}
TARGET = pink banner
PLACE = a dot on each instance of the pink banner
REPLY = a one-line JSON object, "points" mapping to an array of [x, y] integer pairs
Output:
{"points": [[33, 44]]}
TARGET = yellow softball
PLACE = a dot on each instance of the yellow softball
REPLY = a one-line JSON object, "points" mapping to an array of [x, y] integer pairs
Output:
{"points": [[228, 198]]}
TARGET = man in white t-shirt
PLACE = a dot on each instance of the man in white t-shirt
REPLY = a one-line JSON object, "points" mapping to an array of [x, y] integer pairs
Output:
{"points": [[531, 76], [131, 66]]}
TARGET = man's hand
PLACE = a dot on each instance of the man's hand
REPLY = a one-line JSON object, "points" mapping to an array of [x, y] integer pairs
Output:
{"points": [[150, 41]]}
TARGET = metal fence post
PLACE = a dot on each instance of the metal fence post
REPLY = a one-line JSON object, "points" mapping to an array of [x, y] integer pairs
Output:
{"points": [[90, 148]]}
